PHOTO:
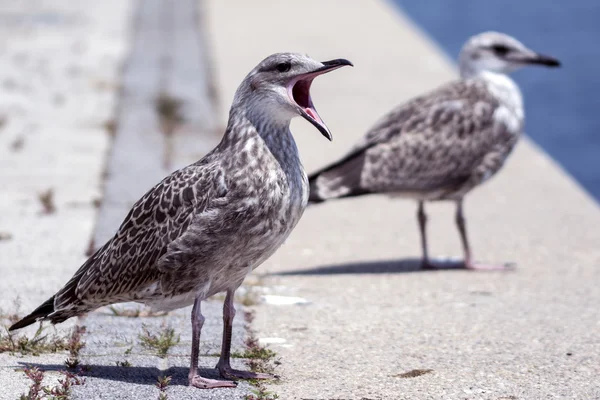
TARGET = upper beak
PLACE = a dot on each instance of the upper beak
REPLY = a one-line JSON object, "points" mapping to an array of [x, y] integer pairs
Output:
{"points": [[333, 64], [537, 59], [299, 91], [548, 61]]}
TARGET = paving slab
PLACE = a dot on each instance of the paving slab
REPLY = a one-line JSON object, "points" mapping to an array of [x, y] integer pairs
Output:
{"points": [[374, 326], [59, 68]]}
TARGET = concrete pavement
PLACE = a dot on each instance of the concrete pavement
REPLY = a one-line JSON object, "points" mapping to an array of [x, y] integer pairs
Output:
{"points": [[528, 334], [372, 325]]}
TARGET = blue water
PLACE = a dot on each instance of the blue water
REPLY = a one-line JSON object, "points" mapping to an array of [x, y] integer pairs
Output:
{"points": [[562, 106]]}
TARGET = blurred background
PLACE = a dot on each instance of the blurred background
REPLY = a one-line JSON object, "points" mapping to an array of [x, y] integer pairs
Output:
{"points": [[561, 108]]}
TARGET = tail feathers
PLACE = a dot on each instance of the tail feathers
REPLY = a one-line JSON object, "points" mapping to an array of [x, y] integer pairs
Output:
{"points": [[38, 314], [342, 179]]}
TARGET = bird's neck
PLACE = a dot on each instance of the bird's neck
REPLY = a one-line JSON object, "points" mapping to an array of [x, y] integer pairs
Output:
{"points": [[249, 130], [504, 89]]}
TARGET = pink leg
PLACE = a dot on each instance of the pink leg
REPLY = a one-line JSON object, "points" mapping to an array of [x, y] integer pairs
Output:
{"points": [[223, 365], [462, 229], [194, 378]]}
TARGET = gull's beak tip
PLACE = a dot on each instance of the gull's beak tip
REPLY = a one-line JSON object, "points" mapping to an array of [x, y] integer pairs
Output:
{"points": [[546, 61], [338, 62]]}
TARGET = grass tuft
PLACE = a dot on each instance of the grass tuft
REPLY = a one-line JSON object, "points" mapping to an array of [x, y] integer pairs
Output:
{"points": [[60, 391], [125, 364], [259, 359], [38, 344], [162, 384], [161, 342], [43, 343], [413, 373], [46, 199]]}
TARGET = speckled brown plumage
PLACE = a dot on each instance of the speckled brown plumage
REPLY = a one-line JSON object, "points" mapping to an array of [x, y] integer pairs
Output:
{"points": [[205, 227], [437, 146], [440, 145]]}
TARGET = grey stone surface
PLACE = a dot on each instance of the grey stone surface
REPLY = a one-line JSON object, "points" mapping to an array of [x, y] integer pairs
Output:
{"points": [[59, 69]]}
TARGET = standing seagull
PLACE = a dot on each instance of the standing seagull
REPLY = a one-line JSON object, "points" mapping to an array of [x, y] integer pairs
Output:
{"points": [[205, 227], [441, 145]]}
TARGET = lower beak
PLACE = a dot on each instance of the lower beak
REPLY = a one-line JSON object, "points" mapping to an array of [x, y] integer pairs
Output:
{"points": [[299, 91]]}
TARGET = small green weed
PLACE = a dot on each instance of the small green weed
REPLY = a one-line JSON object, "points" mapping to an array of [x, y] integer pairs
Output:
{"points": [[38, 344], [162, 384], [60, 391], [161, 342]]}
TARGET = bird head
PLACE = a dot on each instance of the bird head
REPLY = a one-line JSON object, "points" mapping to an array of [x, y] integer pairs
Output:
{"points": [[500, 53], [280, 85]]}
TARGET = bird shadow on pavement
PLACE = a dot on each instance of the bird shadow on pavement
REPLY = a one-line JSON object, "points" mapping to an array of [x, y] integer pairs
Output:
{"points": [[401, 266], [137, 375]]}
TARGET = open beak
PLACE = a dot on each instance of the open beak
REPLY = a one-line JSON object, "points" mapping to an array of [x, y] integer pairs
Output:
{"points": [[532, 58], [299, 92]]}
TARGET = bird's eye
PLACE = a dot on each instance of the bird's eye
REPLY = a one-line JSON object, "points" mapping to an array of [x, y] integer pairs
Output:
{"points": [[284, 67], [500, 49]]}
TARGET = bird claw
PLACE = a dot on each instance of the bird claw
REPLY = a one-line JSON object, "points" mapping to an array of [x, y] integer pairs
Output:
{"points": [[230, 373], [205, 383]]}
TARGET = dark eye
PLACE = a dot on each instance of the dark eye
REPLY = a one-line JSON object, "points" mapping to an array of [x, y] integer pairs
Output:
{"points": [[284, 67], [500, 49]]}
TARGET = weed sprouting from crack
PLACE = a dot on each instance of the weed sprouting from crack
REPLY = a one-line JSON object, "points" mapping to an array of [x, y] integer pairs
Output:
{"points": [[60, 391], [125, 364], [162, 384], [35, 390], [5, 236], [259, 359], [74, 345], [169, 110], [170, 114], [46, 199], [18, 143], [38, 344], [413, 373], [91, 249], [43, 343], [260, 393], [161, 342], [111, 127], [255, 351]]}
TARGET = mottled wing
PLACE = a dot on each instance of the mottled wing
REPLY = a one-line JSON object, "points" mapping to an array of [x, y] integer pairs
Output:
{"points": [[127, 263], [438, 144]]}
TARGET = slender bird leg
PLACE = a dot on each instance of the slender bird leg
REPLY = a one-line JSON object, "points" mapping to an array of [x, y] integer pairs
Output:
{"points": [[462, 229], [422, 218], [223, 364], [194, 378]]}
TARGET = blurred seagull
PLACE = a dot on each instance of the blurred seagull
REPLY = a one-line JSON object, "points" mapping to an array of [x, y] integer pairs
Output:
{"points": [[441, 145], [205, 227]]}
